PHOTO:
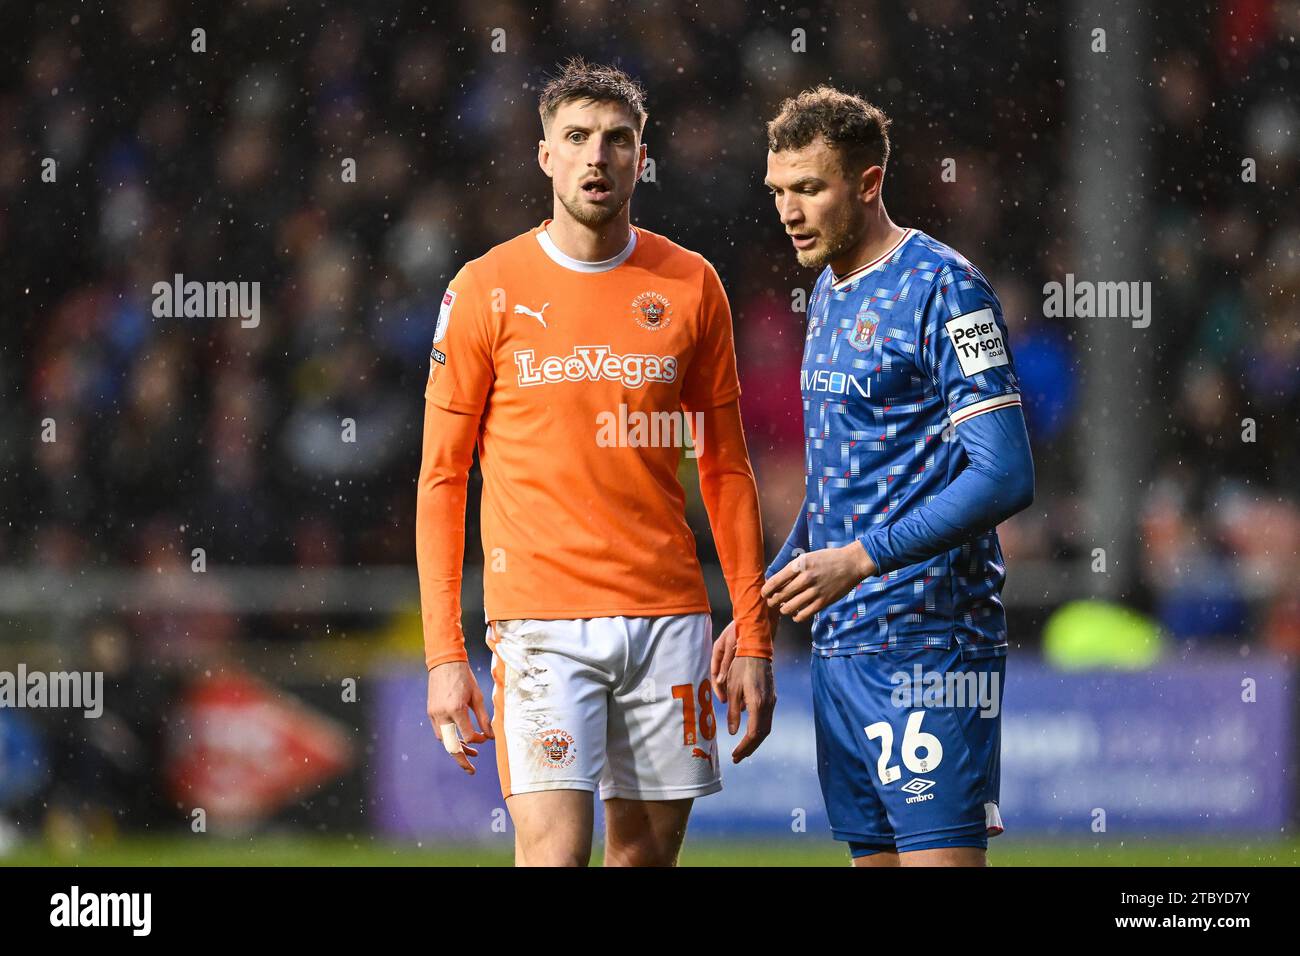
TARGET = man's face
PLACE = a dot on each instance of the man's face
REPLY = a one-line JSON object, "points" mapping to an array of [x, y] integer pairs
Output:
{"points": [[821, 209], [593, 154]]}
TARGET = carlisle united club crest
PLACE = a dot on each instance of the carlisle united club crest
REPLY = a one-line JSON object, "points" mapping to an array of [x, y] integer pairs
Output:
{"points": [[556, 748], [652, 311], [864, 330]]}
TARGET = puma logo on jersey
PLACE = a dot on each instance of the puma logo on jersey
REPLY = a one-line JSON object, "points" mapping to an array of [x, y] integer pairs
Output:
{"points": [[524, 310]]}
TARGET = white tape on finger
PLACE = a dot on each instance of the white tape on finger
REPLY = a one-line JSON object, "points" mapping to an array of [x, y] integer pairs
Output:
{"points": [[450, 739]]}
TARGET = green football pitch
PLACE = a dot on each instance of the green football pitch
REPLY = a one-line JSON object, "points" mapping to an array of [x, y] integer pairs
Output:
{"points": [[207, 850]]}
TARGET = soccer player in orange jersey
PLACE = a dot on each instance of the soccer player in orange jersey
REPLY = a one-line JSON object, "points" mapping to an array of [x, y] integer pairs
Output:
{"points": [[583, 357]]}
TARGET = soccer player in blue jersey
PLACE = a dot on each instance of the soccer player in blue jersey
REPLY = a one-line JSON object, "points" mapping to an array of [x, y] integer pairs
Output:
{"points": [[916, 448]]}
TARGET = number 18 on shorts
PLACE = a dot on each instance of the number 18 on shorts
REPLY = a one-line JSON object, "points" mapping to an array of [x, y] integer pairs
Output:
{"points": [[622, 705]]}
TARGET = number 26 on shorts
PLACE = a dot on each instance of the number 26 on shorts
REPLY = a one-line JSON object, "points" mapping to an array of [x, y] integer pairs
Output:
{"points": [[914, 740]]}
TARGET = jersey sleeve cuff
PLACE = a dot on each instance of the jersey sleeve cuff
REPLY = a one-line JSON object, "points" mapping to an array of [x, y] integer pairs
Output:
{"points": [[783, 557], [967, 412], [874, 542], [445, 657]]}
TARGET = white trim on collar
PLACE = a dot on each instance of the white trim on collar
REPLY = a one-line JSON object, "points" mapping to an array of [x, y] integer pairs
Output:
{"points": [[860, 271], [577, 265]]}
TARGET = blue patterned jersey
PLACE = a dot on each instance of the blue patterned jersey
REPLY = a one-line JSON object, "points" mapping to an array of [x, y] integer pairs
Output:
{"points": [[898, 354]]}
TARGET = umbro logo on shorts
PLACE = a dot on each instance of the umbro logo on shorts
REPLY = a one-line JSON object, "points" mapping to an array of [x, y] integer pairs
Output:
{"points": [[918, 786]]}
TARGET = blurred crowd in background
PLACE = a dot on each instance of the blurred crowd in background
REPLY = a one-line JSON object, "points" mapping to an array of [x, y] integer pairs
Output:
{"points": [[224, 165]]}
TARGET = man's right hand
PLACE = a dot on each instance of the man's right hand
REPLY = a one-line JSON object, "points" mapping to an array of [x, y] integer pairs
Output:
{"points": [[743, 684], [453, 694]]}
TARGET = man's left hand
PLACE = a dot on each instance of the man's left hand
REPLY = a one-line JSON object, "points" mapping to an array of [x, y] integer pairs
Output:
{"points": [[817, 579]]}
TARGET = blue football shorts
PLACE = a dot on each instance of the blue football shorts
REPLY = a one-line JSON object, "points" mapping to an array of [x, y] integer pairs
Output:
{"points": [[909, 747]]}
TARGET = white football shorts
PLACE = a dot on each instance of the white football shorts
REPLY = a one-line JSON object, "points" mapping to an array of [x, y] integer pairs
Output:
{"points": [[620, 702]]}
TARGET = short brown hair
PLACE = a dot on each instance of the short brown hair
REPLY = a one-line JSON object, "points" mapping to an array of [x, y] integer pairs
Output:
{"points": [[855, 128], [580, 80]]}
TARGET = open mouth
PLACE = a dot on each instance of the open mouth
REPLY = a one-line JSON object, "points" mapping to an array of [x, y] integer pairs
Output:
{"points": [[802, 240], [596, 190]]}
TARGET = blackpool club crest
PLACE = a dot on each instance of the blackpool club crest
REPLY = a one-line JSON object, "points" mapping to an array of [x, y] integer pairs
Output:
{"points": [[557, 748], [864, 330], [652, 311]]}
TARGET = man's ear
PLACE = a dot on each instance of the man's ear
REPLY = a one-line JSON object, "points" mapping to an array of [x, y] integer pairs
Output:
{"points": [[640, 163], [544, 157], [873, 177]]}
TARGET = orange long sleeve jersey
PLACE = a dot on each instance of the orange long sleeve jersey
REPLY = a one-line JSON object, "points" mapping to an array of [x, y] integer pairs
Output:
{"points": [[578, 381]]}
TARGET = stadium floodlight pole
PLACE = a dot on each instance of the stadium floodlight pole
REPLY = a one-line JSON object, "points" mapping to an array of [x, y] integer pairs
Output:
{"points": [[1106, 59]]}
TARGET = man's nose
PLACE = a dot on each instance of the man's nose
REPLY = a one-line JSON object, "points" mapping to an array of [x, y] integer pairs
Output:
{"points": [[598, 153]]}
